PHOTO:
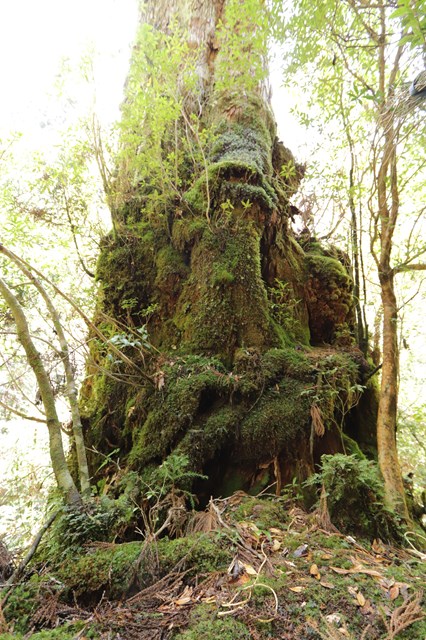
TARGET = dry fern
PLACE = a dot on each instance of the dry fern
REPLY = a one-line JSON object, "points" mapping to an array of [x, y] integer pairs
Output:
{"points": [[317, 421], [404, 616]]}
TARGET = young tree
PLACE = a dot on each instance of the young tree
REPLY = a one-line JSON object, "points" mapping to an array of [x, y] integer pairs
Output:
{"points": [[60, 468], [361, 84]]}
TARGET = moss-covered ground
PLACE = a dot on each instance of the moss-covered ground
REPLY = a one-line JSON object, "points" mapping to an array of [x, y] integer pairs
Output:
{"points": [[247, 567]]}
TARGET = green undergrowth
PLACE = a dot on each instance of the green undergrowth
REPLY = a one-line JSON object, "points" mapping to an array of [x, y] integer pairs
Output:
{"points": [[352, 485], [205, 624], [64, 632], [293, 576]]}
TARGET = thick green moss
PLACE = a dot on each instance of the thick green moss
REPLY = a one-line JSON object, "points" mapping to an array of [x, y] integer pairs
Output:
{"points": [[126, 270], [329, 297], [263, 512], [290, 362], [170, 261], [284, 270], [100, 569], [22, 603], [234, 181], [280, 415], [65, 632], [114, 569], [208, 437], [257, 411], [189, 383], [239, 160], [223, 304], [246, 143], [186, 231]]}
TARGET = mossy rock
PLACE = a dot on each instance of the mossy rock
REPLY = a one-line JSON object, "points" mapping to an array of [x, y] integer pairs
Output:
{"points": [[99, 569]]}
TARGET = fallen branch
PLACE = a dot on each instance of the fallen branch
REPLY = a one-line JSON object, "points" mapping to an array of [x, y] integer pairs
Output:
{"points": [[14, 578]]}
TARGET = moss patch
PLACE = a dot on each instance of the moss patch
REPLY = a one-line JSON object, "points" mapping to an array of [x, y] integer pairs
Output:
{"points": [[205, 624], [329, 297], [223, 305]]}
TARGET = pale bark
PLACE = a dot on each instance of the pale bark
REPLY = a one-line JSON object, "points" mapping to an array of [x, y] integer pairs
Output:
{"points": [[388, 404], [199, 19], [57, 454], [71, 388], [387, 216]]}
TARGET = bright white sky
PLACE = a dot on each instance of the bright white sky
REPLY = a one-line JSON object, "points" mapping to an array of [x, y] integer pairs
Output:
{"points": [[35, 35]]}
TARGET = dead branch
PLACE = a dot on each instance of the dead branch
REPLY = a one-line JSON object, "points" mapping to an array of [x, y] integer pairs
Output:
{"points": [[16, 575]]}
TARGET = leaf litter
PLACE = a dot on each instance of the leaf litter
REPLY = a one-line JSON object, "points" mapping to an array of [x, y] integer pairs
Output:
{"points": [[263, 586]]}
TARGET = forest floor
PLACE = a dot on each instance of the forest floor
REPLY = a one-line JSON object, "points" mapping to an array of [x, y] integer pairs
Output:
{"points": [[246, 568]]}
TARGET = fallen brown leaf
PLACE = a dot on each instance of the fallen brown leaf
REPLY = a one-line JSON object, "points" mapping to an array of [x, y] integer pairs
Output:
{"points": [[394, 592], [327, 585], [249, 569], [276, 545], [315, 572], [357, 569], [340, 571], [185, 598]]}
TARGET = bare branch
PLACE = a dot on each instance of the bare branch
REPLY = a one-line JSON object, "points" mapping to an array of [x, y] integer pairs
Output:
{"points": [[419, 266], [21, 414]]}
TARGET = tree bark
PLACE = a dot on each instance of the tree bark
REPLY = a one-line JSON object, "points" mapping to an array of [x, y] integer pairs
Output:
{"points": [[386, 182], [386, 419]]}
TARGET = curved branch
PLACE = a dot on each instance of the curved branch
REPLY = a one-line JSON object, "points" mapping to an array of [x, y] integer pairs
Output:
{"points": [[57, 454], [81, 313], [21, 414], [8, 587], [71, 392]]}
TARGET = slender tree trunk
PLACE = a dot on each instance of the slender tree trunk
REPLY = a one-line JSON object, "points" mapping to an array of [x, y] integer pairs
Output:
{"points": [[386, 420], [57, 455], [71, 388], [388, 211]]}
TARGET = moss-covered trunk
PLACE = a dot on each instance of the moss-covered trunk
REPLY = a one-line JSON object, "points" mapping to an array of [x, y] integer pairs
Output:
{"points": [[245, 331]]}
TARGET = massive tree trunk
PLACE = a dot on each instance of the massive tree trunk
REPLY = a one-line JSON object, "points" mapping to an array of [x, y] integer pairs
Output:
{"points": [[243, 330]]}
